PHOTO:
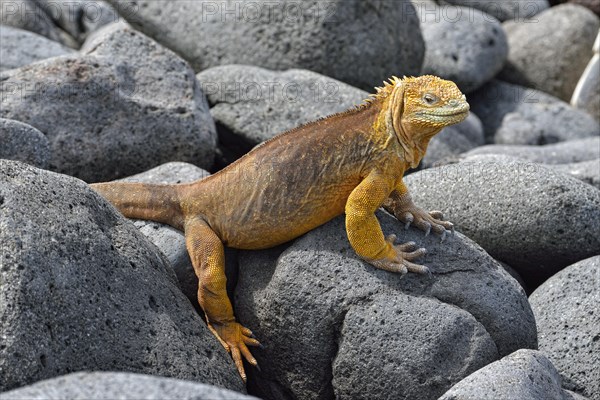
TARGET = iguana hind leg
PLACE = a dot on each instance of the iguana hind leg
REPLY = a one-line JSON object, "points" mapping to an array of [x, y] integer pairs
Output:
{"points": [[208, 258]]}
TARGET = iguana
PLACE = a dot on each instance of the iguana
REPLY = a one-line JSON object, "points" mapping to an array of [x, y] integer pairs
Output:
{"points": [[351, 162]]}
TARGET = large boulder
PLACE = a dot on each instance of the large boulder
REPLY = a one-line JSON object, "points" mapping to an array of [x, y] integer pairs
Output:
{"points": [[79, 18], [124, 105], [333, 325], [81, 289], [463, 45], [22, 142], [586, 171], [31, 16], [513, 114], [525, 374], [533, 218], [253, 104], [119, 385], [572, 151], [551, 51], [566, 312], [361, 42], [19, 47], [506, 10]]}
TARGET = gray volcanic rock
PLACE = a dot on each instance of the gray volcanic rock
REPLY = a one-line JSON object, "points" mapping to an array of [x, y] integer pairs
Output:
{"points": [[446, 144], [465, 46], [79, 17], [361, 42], [252, 104], [506, 10], [533, 218], [572, 151], [82, 289], [124, 105], [119, 385], [30, 16], [586, 171], [566, 312], [332, 325], [22, 142], [514, 114], [19, 47], [525, 374], [551, 51]]}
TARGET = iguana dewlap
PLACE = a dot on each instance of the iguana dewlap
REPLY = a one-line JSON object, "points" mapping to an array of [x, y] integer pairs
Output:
{"points": [[351, 163]]}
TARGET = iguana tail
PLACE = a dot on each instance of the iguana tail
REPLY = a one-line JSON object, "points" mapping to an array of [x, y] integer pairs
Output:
{"points": [[152, 202]]}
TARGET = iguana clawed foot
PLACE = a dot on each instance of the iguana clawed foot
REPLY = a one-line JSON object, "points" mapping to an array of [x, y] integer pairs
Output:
{"points": [[401, 260], [425, 221], [236, 339]]}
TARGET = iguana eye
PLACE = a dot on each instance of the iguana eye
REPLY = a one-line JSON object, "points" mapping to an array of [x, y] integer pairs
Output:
{"points": [[429, 98]]}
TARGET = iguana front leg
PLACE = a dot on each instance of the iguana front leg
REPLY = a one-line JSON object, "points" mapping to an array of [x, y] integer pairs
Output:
{"points": [[364, 231], [400, 204], [208, 258]]}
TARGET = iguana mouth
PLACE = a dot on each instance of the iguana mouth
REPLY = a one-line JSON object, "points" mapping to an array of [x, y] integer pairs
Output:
{"points": [[446, 112]]}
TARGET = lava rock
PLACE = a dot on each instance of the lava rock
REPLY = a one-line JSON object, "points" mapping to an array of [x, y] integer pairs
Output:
{"points": [[79, 18], [30, 16], [124, 105], [525, 374], [586, 171], [572, 151], [22, 142], [82, 289], [587, 92], [551, 51], [513, 114], [335, 326], [465, 46], [506, 10], [368, 40], [566, 312], [252, 104], [454, 140], [19, 47], [119, 385], [533, 218]]}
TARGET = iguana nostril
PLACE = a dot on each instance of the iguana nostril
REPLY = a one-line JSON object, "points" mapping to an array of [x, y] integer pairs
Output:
{"points": [[453, 103]]}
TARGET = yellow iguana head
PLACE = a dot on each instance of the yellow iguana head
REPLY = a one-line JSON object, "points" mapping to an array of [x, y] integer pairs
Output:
{"points": [[415, 109]]}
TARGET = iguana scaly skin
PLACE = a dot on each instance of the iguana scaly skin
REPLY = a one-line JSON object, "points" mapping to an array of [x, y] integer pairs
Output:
{"points": [[350, 162]]}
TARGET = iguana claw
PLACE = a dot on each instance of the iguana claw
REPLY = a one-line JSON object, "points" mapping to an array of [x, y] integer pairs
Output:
{"points": [[401, 261]]}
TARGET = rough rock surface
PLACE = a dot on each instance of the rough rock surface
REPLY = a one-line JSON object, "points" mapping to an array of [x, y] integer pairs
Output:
{"points": [[506, 10], [82, 289], [513, 114], [525, 374], [124, 105], [587, 171], [533, 218], [572, 151], [332, 325], [370, 40], [30, 16], [79, 18], [118, 385], [449, 143], [253, 104], [566, 312], [19, 47], [463, 45], [22, 142], [550, 59]]}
